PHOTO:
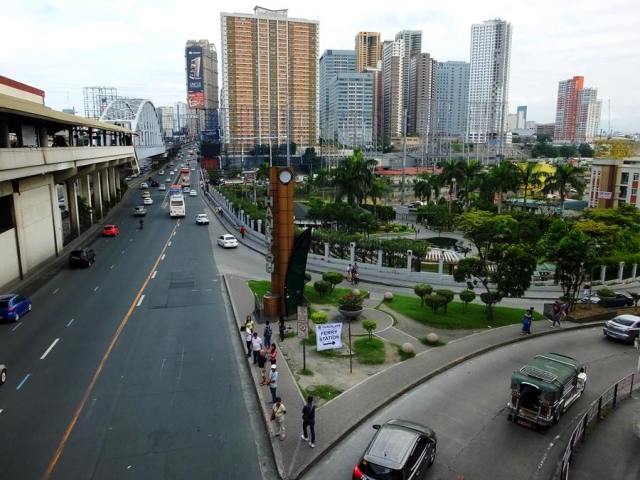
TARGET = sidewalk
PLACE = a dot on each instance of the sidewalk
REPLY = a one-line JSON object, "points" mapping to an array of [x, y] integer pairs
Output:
{"points": [[338, 417]]}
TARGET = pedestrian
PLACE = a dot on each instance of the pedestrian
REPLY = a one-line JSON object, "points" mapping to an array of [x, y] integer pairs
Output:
{"points": [[256, 345], [267, 334], [273, 382], [282, 329], [248, 337], [555, 313], [564, 311], [356, 278], [242, 230], [349, 274], [581, 380], [272, 354], [249, 323], [586, 294], [309, 420], [262, 363], [278, 411], [526, 321]]}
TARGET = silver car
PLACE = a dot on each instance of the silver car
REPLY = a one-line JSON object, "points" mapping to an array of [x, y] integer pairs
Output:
{"points": [[3, 373], [622, 327]]}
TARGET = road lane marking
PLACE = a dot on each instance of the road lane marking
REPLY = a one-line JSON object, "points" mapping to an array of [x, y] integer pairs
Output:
{"points": [[56, 291], [72, 423], [111, 267], [140, 301], [154, 274], [24, 380], [16, 327], [70, 322], [1, 410], [96, 289], [162, 257], [162, 366], [46, 352]]}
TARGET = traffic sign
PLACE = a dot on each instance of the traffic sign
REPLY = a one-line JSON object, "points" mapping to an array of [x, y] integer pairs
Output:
{"points": [[303, 322], [328, 336]]}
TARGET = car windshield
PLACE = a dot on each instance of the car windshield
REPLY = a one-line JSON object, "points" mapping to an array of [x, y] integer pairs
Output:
{"points": [[76, 253], [380, 472], [624, 321], [4, 304]]}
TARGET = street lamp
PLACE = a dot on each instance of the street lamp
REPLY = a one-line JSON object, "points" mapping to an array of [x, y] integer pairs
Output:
{"points": [[452, 193]]}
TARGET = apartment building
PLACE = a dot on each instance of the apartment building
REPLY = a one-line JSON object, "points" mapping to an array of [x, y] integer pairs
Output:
{"points": [[368, 50]]}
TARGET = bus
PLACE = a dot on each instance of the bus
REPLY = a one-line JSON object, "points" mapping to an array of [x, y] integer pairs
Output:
{"points": [[185, 177], [177, 206], [175, 190]]}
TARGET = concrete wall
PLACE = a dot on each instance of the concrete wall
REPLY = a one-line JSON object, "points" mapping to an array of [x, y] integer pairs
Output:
{"points": [[9, 267]]}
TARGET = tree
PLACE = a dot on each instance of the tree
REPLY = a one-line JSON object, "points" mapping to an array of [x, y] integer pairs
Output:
{"points": [[447, 295], [467, 296], [469, 172], [543, 149], [504, 178], [530, 176], [434, 301], [428, 185], [353, 178], [322, 287], [614, 148], [369, 325], [567, 151], [451, 173], [421, 290], [585, 150], [334, 278], [514, 267], [378, 189], [263, 172], [564, 178]]}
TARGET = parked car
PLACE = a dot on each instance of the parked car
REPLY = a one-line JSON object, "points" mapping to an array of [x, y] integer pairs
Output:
{"points": [[144, 185], [139, 211], [83, 257], [147, 201], [202, 219], [110, 231], [13, 306], [416, 204], [193, 193], [3, 373], [227, 241], [399, 450], [621, 299], [622, 327]]}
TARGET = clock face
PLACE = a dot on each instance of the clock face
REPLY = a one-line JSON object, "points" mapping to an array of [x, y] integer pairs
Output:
{"points": [[285, 176]]}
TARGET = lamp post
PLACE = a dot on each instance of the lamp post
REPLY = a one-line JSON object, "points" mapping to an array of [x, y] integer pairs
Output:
{"points": [[453, 190]]}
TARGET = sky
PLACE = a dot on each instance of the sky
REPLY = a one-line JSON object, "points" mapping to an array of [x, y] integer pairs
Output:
{"points": [[137, 46]]}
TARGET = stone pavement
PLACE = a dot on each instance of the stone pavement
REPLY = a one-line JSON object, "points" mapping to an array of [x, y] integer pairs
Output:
{"points": [[338, 417]]}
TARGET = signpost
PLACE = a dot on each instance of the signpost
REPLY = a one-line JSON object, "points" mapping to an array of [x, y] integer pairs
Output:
{"points": [[303, 331], [328, 336]]}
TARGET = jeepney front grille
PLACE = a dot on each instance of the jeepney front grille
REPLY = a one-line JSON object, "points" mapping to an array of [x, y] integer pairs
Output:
{"points": [[537, 373]]}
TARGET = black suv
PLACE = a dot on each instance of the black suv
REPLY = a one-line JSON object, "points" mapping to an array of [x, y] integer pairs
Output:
{"points": [[399, 450], [83, 257]]}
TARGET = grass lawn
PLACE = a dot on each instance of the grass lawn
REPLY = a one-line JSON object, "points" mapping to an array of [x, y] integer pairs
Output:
{"points": [[457, 316], [369, 352], [326, 392], [260, 287]]}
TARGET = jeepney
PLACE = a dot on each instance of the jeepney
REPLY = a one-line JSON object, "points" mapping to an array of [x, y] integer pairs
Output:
{"points": [[543, 389]]}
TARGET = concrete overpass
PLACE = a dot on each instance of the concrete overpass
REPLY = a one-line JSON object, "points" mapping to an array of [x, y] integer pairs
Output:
{"points": [[59, 174]]}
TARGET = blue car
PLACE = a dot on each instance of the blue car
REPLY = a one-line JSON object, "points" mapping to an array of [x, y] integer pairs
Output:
{"points": [[13, 306]]}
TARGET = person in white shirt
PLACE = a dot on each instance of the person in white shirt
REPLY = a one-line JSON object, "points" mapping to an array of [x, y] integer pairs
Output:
{"points": [[256, 345], [248, 337], [582, 380]]}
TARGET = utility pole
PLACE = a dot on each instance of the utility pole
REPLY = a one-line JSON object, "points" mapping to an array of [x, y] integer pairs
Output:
{"points": [[404, 157]]}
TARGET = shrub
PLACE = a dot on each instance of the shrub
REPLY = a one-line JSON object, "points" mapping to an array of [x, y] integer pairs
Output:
{"points": [[636, 298], [322, 287], [319, 317], [307, 277], [605, 292], [421, 290], [434, 301], [369, 325], [333, 278], [351, 301], [467, 296], [447, 294]]}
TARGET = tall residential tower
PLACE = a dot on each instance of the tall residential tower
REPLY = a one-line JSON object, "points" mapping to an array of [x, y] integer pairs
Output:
{"points": [[577, 111], [368, 50], [202, 84], [332, 62], [451, 98]]}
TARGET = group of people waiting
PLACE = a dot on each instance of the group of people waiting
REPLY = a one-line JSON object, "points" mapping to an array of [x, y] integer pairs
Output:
{"points": [[265, 355], [353, 276]]}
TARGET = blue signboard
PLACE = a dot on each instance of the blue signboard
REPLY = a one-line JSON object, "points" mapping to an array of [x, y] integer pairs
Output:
{"points": [[195, 67]]}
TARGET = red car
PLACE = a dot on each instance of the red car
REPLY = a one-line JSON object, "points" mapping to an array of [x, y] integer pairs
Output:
{"points": [[110, 231]]}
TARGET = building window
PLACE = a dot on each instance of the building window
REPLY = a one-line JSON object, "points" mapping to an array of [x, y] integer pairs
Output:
{"points": [[624, 179]]}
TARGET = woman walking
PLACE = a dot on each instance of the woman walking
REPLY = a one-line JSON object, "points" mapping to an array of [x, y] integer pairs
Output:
{"points": [[278, 411], [526, 322]]}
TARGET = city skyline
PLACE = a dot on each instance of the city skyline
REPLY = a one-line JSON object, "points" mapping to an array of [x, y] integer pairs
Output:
{"points": [[140, 46]]}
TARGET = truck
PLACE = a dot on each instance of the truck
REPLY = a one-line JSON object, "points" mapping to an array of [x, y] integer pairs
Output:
{"points": [[185, 177]]}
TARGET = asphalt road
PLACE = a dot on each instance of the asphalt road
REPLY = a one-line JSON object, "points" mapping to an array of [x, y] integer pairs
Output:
{"points": [[127, 368], [466, 406]]}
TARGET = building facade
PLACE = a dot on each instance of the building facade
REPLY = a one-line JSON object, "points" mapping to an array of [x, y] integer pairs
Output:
{"points": [[412, 40], [577, 111], [588, 118], [452, 92], [368, 50], [166, 117], [332, 62], [270, 79], [614, 182], [376, 74], [521, 112], [351, 109], [422, 113], [489, 81], [202, 84], [393, 111]]}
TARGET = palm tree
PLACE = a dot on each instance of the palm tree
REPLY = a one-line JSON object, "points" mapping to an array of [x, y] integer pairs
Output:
{"points": [[378, 189], [469, 172], [428, 184], [353, 178], [529, 176], [504, 178], [565, 177], [451, 172]]}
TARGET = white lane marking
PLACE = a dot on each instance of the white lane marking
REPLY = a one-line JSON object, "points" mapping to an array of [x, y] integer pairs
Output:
{"points": [[16, 327], [96, 289], [111, 267], [24, 380], [169, 244], [174, 234], [70, 322], [162, 257], [56, 291], [46, 352], [162, 366], [153, 275], [140, 301]]}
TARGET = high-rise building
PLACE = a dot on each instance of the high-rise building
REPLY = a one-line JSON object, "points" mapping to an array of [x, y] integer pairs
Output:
{"points": [[270, 78], [412, 40], [368, 50], [422, 115], [512, 122], [350, 114], [489, 81], [180, 117], [393, 89], [521, 112], [96, 100], [202, 84], [377, 104], [332, 62], [166, 118], [452, 95], [577, 111]]}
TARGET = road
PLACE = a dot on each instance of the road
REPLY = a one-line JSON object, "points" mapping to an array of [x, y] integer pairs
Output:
{"points": [[466, 408], [128, 367]]}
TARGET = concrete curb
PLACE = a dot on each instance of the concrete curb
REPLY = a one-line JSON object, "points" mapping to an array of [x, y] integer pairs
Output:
{"points": [[427, 376]]}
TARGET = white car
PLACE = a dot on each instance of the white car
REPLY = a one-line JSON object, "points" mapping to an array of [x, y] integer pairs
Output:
{"points": [[167, 180], [227, 241], [3, 373], [193, 193], [148, 201], [186, 190], [161, 172], [202, 219], [162, 187], [144, 185], [193, 169]]}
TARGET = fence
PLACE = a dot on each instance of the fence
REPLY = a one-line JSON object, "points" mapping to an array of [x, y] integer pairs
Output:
{"points": [[596, 412]]}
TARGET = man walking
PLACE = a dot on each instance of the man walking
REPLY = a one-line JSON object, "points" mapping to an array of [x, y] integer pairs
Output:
{"points": [[526, 322], [278, 412], [256, 345], [309, 420], [273, 382], [267, 334]]}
